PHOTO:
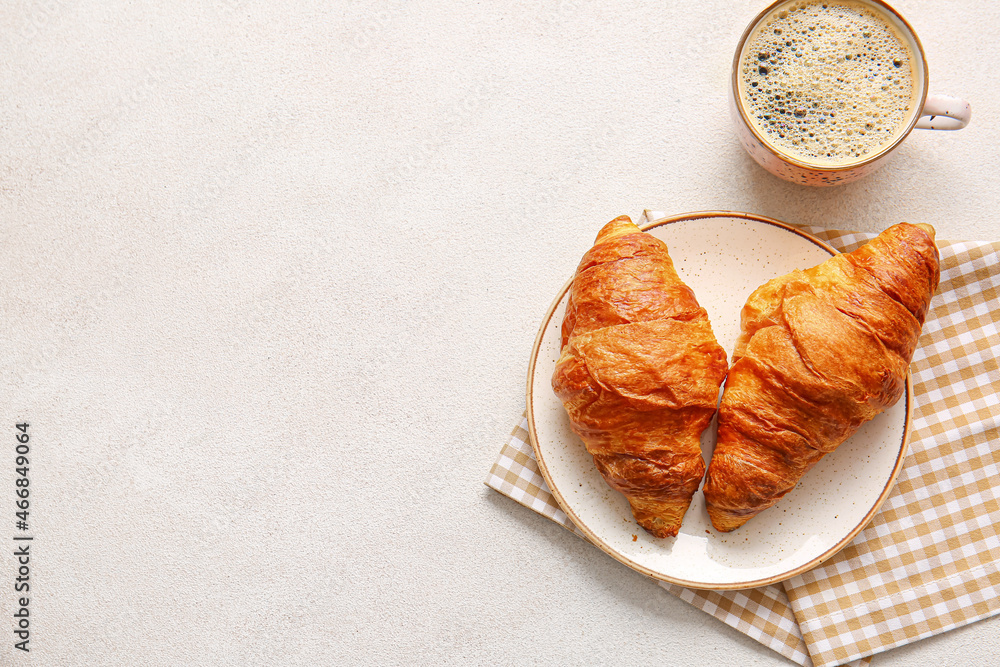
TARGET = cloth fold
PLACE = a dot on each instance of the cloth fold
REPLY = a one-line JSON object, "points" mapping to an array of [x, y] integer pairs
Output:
{"points": [[927, 562]]}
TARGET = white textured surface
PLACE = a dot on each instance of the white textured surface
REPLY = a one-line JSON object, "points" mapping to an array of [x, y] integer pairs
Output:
{"points": [[269, 278]]}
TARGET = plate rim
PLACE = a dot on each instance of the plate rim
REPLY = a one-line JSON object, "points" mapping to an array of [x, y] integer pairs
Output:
{"points": [[625, 560]]}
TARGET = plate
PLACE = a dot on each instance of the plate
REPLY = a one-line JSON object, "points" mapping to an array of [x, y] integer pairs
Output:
{"points": [[723, 256]]}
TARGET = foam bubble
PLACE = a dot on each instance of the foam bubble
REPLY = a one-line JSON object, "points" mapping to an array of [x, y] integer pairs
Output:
{"points": [[828, 81]]}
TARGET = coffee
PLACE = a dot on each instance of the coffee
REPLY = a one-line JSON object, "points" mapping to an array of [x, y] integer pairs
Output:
{"points": [[828, 81]]}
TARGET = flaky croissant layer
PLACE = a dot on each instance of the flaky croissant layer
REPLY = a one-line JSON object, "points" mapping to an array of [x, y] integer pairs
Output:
{"points": [[639, 373], [821, 352]]}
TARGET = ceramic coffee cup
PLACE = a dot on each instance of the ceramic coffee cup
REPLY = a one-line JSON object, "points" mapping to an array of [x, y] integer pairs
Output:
{"points": [[823, 91]]}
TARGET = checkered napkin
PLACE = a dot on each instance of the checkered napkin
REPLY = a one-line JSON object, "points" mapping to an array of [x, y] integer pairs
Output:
{"points": [[929, 561]]}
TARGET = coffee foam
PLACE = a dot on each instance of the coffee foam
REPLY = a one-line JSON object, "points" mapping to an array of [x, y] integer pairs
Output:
{"points": [[828, 82]]}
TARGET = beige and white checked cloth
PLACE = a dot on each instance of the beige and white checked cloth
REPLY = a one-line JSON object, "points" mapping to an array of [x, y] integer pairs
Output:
{"points": [[930, 559]]}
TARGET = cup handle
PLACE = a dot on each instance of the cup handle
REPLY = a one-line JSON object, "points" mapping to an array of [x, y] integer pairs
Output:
{"points": [[943, 112]]}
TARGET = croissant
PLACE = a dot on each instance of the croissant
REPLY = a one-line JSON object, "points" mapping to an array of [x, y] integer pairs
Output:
{"points": [[639, 373], [821, 352]]}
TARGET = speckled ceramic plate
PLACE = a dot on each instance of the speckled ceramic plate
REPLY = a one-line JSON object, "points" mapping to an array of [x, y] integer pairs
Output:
{"points": [[723, 257]]}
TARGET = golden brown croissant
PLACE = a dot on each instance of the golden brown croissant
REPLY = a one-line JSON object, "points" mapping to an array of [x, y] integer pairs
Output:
{"points": [[821, 352], [639, 373]]}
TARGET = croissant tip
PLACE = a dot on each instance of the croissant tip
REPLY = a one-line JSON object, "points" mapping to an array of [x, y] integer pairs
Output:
{"points": [[661, 533], [620, 226], [725, 522], [927, 228]]}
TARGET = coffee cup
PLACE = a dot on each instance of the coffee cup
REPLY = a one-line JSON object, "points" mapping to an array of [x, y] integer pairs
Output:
{"points": [[823, 91]]}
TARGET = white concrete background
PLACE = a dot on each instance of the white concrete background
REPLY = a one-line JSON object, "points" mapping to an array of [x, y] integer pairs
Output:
{"points": [[269, 278]]}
